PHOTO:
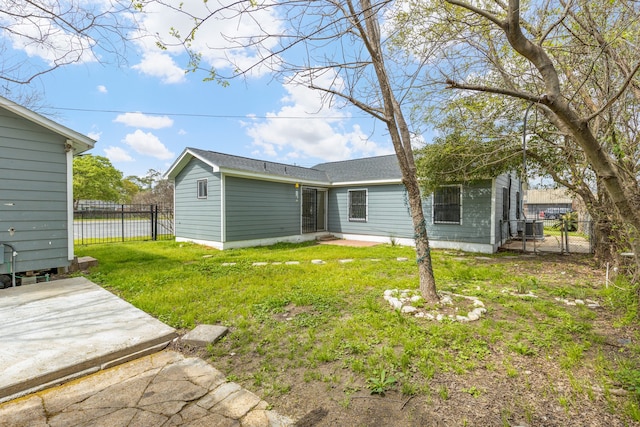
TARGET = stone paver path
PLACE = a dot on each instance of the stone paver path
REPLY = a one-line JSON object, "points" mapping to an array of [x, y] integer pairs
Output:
{"points": [[163, 389]]}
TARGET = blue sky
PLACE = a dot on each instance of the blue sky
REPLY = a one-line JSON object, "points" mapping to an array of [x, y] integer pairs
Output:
{"points": [[144, 113]]}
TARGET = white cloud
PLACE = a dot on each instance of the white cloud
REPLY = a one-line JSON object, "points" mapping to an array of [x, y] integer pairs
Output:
{"points": [[147, 144], [102, 88], [95, 135], [218, 40], [117, 154], [304, 127], [141, 120], [157, 64]]}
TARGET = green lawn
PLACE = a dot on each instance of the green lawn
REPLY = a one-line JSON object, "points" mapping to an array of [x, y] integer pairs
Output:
{"points": [[328, 323]]}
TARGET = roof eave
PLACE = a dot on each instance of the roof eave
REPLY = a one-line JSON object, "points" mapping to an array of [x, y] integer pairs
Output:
{"points": [[79, 142], [367, 182], [183, 160]]}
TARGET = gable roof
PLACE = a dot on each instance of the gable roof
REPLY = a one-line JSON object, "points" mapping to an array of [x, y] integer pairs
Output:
{"points": [[368, 170], [79, 142]]}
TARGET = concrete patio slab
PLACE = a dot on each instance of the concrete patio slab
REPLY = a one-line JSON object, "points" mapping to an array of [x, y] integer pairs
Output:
{"points": [[56, 331]]}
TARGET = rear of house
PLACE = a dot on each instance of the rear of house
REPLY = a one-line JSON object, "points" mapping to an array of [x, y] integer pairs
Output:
{"points": [[228, 201], [36, 197]]}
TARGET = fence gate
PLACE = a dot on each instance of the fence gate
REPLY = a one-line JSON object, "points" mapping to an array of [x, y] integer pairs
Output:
{"points": [[559, 236], [109, 222]]}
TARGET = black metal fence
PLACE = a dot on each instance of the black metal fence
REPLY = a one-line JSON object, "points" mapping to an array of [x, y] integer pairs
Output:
{"points": [[560, 236], [109, 222]]}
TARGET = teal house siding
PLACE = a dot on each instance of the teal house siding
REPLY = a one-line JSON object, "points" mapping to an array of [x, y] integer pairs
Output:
{"points": [[257, 209], [35, 197], [198, 219], [265, 202], [388, 212], [475, 226]]}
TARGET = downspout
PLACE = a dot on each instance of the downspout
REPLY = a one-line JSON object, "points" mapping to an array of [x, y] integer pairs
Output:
{"points": [[70, 228]]}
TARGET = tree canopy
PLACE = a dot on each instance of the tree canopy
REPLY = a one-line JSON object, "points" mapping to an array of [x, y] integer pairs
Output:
{"points": [[575, 62], [95, 178]]}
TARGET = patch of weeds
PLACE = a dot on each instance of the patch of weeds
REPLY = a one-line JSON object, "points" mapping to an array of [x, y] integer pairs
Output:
{"points": [[505, 416], [574, 354], [522, 348], [409, 389], [512, 371], [269, 306], [381, 382], [564, 402], [312, 376], [473, 391], [629, 379], [443, 392], [632, 410]]}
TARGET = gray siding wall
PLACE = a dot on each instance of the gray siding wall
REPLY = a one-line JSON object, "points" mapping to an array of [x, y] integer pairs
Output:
{"points": [[476, 216], [388, 212], [261, 209], [33, 195], [197, 218]]}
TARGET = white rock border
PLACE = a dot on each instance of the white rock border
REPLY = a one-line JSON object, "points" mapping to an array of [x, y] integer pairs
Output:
{"points": [[401, 300]]}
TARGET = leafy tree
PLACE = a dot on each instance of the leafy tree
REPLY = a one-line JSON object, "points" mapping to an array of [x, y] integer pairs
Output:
{"points": [[575, 62], [129, 190], [154, 189], [338, 49], [95, 178]]}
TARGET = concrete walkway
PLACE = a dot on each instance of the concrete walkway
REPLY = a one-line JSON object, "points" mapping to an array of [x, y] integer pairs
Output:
{"points": [[163, 389]]}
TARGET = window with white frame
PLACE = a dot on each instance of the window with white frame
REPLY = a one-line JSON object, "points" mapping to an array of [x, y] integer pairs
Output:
{"points": [[447, 205], [202, 189], [358, 205]]}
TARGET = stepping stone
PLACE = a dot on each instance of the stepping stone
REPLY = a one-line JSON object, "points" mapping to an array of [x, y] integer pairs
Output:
{"points": [[292, 263], [344, 261], [259, 264], [228, 264], [402, 259], [317, 261], [203, 335]]}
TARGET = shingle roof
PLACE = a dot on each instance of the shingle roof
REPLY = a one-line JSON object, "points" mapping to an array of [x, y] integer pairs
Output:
{"points": [[261, 166], [382, 168]]}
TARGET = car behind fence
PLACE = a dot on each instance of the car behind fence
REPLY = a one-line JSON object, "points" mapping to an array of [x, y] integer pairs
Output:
{"points": [[109, 222]]}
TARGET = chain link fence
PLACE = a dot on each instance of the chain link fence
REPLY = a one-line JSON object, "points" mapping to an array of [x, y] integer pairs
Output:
{"points": [[562, 235], [109, 222]]}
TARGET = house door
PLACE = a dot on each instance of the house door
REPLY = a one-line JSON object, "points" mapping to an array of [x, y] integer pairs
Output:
{"points": [[313, 210]]}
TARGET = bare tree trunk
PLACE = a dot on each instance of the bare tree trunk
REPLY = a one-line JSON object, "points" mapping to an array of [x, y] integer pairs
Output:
{"points": [[401, 139]]}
